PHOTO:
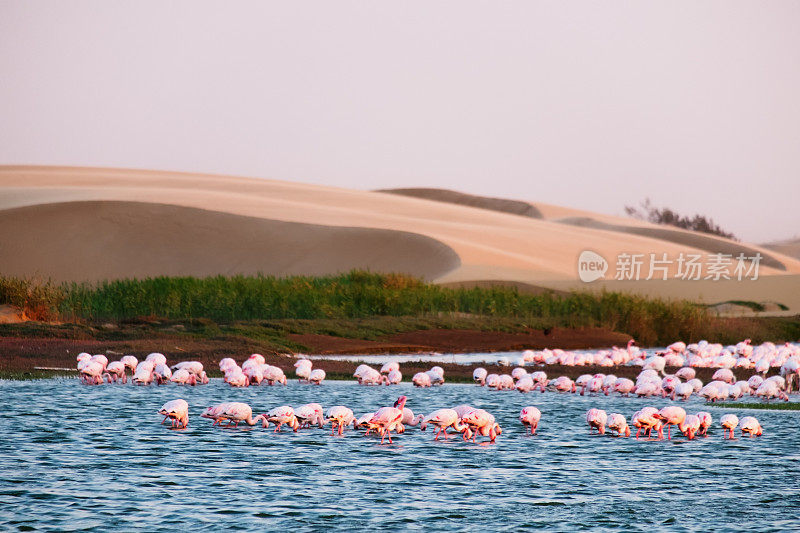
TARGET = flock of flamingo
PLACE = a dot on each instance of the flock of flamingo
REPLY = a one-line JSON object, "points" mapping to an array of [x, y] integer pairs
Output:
{"points": [[464, 419], [470, 422], [650, 418]]}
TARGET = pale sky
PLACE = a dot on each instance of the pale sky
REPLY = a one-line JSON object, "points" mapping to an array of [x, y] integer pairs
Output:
{"points": [[592, 105]]}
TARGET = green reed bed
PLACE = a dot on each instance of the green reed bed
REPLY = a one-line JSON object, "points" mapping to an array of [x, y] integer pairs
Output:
{"points": [[353, 295]]}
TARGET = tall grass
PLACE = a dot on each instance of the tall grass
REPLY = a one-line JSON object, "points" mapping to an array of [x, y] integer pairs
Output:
{"points": [[37, 299], [356, 294]]}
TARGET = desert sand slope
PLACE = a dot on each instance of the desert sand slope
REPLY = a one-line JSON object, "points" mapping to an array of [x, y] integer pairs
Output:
{"points": [[708, 243], [488, 245], [705, 242], [107, 240], [502, 205], [790, 247]]}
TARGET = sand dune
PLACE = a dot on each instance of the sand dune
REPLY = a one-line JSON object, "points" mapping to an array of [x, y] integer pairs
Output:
{"points": [[708, 243], [107, 240], [701, 241], [790, 247], [340, 233]]}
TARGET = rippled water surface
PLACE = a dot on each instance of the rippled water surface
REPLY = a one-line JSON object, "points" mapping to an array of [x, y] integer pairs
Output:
{"points": [[95, 458]]}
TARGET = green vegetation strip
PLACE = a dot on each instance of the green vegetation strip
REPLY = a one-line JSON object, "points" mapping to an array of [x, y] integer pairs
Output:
{"points": [[336, 304]]}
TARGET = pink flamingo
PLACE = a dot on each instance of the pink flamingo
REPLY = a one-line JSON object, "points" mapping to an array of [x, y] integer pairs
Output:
{"points": [[751, 426], [443, 419], [183, 377], [339, 417], [645, 419], [705, 422], [115, 371], [309, 415], [481, 422], [729, 423], [530, 416], [617, 423], [389, 419], [216, 412], [177, 411], [690, 426], [671, 415], [282, 415], [597, 418], [237, 412]]}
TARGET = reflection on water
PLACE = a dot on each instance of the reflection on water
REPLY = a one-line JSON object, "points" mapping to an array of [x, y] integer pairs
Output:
{"points": [[95, 458]]}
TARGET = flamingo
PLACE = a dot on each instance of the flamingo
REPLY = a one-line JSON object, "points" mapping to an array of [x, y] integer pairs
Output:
{"points": [[237, 412], [443, 419], [215, 412], [480, 421], [92, 373], [671, 415], [144, 373], [130, 362], [394, 377], [253, 373], [645, 419], [115, 371], [750, 425], [421, 379], [617, 422], [624, 386], [479, 376], [729, 423], [183, 377], [724, 374], [539, 380], [705, 422], [162, 373], [436, 374], [282, 415], [193, 367], [409, 419], [690, 426], [563, 384], [339, 417], [596, 418], [389, 419], [316, 376], [302, 370], [530, 416], [157, 358], [364, 422], [525, 384], [177, 411], [310, 414], [274, 375], [391, 366]]}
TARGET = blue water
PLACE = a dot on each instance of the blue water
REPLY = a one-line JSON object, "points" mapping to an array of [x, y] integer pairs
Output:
{"points": [[81, 458]]}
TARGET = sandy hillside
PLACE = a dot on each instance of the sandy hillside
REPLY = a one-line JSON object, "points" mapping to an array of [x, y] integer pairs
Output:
{"points": [[61, 222], [790, 247]]}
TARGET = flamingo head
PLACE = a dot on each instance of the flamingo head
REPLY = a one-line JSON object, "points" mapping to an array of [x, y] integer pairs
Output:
{"points": [[400, 403]]}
